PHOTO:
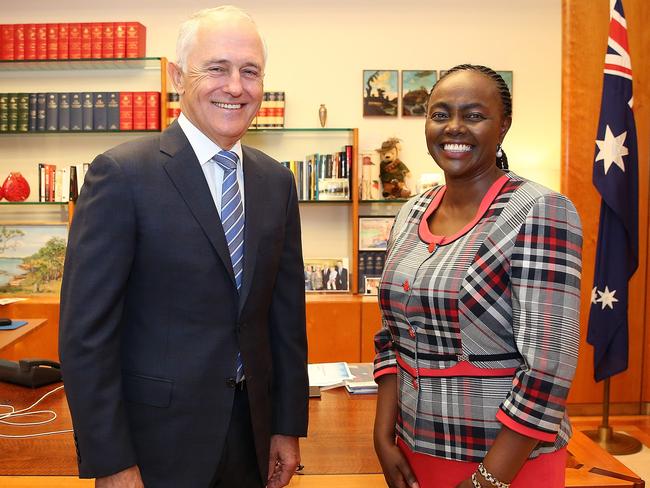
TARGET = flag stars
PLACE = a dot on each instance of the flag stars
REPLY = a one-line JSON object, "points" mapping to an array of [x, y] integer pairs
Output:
{"points": [[606, 298], [612, 149]]}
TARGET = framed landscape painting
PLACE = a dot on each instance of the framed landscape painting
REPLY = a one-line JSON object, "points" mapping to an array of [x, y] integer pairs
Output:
{"points": [[416, 85], [380, 92]]}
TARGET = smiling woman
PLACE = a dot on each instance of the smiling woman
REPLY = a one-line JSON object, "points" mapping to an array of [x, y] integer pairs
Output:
{"points": [[481, 273]]}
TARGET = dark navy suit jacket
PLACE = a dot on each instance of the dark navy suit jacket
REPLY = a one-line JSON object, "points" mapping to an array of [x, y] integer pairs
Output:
{"points": [[151, 321]]}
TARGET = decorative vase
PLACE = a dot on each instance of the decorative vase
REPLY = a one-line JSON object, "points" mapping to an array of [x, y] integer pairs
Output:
{"points": [[15, 188], [322, 114]]}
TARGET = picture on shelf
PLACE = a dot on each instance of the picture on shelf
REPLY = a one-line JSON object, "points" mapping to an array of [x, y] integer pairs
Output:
{"points": [[372, 285], [374, 233], [333, 189], [327, 274], [31, 258], [416, 85], [380, 92]]}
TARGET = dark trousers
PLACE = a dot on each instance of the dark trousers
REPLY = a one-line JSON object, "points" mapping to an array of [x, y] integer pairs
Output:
{"points": [[238, 465]]}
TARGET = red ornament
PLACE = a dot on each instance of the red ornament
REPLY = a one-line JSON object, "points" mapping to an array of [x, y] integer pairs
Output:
{"points": [[15, 188]]}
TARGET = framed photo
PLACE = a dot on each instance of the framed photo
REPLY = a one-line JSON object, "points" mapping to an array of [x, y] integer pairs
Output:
{"points": [[374, 233], [380, 92], [416, 85], [31, 258], [372, 285], [327, 275]]}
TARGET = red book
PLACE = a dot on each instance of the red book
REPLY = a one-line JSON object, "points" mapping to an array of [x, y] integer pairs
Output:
{"points": [[153, 110], [108, 40], [30, 41], [49, 182], [7, 42], [136, 40], [52, 41], [86, 40], [139, 111], [74, 41], [41, 41], [119, 46], [64, 37], [126, 111], [19, 41], [96, 36]]}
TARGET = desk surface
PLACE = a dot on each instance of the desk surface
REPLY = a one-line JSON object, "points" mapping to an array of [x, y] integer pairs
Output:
{"points": [[10, 337], [339, 442]]}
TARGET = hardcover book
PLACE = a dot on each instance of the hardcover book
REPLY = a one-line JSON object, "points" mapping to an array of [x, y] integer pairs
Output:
{"points": [[173, 107], [100, 112], [41, 41], [76, 120], [4, 112], [113, 110], [13, 112], [139, 111], [64, 111], [32, 112], [23, 112], [30, 41], [19, 42], [87, 111], [52, 111], [86, 40], [6, 42], [136, 40], [96, 37], [119, 47], [108, 40], [64, 41], [153, 110], [74, 40], [52, 31], [126, 111], [41, 108]]}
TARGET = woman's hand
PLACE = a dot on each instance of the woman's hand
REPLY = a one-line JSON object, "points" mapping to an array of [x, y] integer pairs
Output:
{"points": [[396, 468]]}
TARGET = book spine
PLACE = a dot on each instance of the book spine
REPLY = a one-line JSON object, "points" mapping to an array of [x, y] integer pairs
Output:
{"points": [[108, 40], [32, 112], [173, 107], [74, 185], [13, 112], [41, 41], [30, 41], [19, 42], [349, 161], [49, 183], [52, 31], [86, 40], [7, 49], [281, 110], [76, 120], [64, 111], [100, 113], [119, 45], [96, 37], [58, 185], [126, 111], [136, 40], [153, 110], [65, 185], [113, 111], [41, 182], [74, 41], [139, 111], [4, 112], [64, 41], [41, 109], [87, 111], [23, 112], [52, 112]]}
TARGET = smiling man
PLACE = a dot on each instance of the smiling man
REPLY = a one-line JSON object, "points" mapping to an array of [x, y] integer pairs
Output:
{"points": [[182, 332]]}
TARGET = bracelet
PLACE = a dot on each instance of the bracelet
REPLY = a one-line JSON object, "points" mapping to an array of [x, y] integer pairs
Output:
{"points": [[490, 478], [475, 482]]}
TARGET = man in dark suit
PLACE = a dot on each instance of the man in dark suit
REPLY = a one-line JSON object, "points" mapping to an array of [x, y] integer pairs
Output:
{"points": [[341, 276], [182, 339]]}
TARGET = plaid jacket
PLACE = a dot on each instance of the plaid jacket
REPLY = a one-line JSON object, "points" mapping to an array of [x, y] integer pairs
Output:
{"points": [[482, 327]]}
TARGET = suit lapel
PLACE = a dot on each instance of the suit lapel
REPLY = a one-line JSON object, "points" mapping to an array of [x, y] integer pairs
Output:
{"points": [[187, 176], [253, 188]]}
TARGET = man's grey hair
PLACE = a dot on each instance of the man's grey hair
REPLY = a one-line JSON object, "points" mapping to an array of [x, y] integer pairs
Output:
{"points": [[188, 29]]}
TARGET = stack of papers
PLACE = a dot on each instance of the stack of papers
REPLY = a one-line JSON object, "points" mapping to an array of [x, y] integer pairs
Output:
{"points": [[363, 381], [357, 377]]}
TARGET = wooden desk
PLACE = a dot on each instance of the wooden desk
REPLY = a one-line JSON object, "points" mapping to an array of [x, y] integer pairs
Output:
{"points": [[8, 338], [339, 443]]}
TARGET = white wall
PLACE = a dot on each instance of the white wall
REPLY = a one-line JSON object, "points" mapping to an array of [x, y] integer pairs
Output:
{"points": [[317, 51]]}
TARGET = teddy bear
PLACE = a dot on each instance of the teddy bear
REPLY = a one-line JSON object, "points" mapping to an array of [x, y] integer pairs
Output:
{"points": [[392, 171]]}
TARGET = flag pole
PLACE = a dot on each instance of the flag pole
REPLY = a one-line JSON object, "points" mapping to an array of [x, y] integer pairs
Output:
{"points": [[615, 443]]}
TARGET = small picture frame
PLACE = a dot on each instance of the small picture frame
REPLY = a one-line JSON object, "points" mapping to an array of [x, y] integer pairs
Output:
{"points": [[416, 86], [371, 286], [380, 92], [374, 232], [330, 275]]}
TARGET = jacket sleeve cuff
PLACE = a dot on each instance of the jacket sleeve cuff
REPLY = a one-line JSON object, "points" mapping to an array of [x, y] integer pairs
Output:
{"points": [[384, 371], [524, 429]]}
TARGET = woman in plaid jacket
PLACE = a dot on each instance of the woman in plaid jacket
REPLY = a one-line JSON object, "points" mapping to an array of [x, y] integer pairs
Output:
{"points": [[479, 298]]}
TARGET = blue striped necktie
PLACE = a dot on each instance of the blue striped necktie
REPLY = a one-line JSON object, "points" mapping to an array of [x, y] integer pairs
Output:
{"points": [[232, 220]]}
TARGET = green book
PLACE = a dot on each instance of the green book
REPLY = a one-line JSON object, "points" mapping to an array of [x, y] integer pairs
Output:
{"points": [[4, 112], [13, 112], [23, 112]]}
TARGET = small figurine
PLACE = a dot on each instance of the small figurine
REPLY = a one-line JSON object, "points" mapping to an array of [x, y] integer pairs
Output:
{"points": [[392, 171]]}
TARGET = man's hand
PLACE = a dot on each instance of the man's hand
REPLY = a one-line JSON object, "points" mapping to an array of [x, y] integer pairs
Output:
{"points": [[283, 460], [129, 478]]}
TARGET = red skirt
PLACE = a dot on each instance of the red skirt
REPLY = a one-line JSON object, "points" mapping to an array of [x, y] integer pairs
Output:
{"points": [[545, 471]]}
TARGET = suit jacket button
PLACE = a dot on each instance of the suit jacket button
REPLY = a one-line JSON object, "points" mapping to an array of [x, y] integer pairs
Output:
{"points": [[231, 383]]}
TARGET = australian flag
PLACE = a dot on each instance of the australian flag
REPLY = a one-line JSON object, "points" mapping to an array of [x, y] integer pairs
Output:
{"points": [[615, 177]]}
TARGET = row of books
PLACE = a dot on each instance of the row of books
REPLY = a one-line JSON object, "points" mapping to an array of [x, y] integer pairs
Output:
{"points": [[323, 176], [74, 40], [271, 112], [173, 107], [60, 184], [79, 111]]}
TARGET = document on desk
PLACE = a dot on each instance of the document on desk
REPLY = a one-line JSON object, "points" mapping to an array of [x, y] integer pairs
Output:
{"points": [[328, 374], [7, 301]]}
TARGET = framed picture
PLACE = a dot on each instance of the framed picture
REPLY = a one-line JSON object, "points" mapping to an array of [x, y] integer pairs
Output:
{"points": [[372, 285], [416, 85], [327, 275], [31, 258], [380, 92], [374, 233]]}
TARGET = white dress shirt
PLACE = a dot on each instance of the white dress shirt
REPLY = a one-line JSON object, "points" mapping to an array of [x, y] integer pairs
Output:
{"points": [[205, 150]]}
